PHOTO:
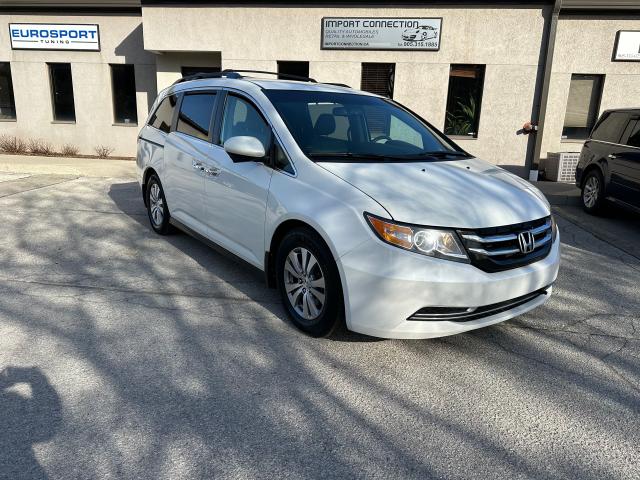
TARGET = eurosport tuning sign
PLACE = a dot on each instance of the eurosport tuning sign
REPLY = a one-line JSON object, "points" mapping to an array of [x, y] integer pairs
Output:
{"points": [[54, 36], [376, 33]]}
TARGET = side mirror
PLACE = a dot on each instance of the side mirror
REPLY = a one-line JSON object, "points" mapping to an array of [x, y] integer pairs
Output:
{"points": [[245, 149]]}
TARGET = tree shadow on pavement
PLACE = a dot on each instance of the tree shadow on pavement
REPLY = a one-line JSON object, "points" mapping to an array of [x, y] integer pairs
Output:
{"points": [[175, 362], [26, 418]]}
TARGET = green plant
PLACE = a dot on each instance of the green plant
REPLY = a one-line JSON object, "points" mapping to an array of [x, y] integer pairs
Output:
{"points": [[12, 144], [461, 120]]}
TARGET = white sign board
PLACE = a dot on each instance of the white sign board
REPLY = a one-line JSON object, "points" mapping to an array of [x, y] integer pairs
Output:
{"points": [[375, 33], [627, 47], [54, 36]]}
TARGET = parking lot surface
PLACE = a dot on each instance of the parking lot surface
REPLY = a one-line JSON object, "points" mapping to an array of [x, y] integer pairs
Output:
{"points": [[128, 355]]}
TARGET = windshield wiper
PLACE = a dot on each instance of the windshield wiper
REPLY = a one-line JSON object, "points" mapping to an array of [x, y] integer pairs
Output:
{"points": [[344, 155], [350, 155], [443, 153], [390, 157]]}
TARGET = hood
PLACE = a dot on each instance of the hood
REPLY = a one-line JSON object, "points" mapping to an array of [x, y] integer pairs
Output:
{"points": [[467, 193]]}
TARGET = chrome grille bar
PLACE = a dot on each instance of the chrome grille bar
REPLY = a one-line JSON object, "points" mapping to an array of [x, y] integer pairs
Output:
{"points": [[510, 251], [504, 238]]}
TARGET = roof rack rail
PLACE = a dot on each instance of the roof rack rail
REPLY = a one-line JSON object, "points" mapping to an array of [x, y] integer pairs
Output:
{"points": [[236, 74], [284, 76], [337, 84], [202, 75]]}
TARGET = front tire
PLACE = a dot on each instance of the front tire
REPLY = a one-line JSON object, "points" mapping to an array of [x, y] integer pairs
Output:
{"points": [[157, 208], [309, 283], [593, 192]]}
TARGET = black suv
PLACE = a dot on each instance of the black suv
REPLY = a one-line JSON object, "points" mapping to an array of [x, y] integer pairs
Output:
{"points": [[609, 165]]}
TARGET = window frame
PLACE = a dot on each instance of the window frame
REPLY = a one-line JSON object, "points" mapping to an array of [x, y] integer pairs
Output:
{"points": [[476, 134], [602, 77], [11, 96], [284, 63], [393, 66], [222, 102], [113, 90], [197, 91], [52, 93]]}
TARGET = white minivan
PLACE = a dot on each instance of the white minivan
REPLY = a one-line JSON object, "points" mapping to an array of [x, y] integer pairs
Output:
{"points": [[354, 207]]}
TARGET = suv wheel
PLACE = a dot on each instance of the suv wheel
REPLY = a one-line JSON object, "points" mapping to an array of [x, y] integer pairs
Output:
{"points": [[593, 192], [309, 283], [157, 206]]}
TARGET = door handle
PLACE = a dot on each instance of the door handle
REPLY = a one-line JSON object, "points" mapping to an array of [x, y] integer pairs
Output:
{"points": [[211, 172], [197, 166], [612, 156]]}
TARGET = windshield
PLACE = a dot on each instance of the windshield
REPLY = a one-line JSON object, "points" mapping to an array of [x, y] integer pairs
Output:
{"points": [[343, 126]]}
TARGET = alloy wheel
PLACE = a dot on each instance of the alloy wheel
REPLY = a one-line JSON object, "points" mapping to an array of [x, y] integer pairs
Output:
{"points": [[156, 205], [591, 192], [304, 283]]}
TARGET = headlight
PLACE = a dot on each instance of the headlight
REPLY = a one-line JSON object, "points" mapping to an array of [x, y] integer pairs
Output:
{"points": [[554, 229], [433, 242]]}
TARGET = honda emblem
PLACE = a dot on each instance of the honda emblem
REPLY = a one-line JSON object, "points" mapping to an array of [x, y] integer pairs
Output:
{"points": [[527, 242]]}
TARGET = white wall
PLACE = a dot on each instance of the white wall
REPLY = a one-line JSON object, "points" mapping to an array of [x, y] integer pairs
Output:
{"points": [[121, 42]]}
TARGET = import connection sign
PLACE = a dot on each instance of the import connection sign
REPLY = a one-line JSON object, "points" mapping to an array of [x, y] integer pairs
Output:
{"points": [[359, 33], [54, 36]]}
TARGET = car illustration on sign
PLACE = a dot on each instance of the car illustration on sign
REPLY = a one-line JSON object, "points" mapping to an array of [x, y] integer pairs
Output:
{"points": [[423, 32]]}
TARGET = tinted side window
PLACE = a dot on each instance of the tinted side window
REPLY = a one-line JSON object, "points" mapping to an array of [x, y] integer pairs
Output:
{"points": [[631, 135], [195, 114], [610, 128], [242, 119], [163, 115]]}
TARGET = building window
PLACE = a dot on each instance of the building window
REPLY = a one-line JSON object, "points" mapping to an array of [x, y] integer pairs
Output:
{"points": [[123, 86], [464, 99], [378, 78], [7, 103], [301, 69], [187, 71], [162, 118], [64, 109], [195, 114], [582, 106]]}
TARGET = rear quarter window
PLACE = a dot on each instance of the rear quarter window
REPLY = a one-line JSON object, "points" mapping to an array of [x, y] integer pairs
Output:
{"points": [[610, 127], [163, 116]]}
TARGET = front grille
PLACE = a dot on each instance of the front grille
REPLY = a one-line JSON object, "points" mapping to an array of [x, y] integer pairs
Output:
{"points": [[498, 248], [466, 314]]}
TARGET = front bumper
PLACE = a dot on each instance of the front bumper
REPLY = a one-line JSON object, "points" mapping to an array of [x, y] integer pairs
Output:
{"points": [[384, 286]]}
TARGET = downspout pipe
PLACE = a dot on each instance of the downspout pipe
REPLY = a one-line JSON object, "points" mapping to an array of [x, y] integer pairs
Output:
{"points": [[546, 79]]}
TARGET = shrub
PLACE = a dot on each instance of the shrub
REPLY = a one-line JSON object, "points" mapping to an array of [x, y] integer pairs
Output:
{"points": [[12, 144], [69, 150], [102, 151], [39, 147]]}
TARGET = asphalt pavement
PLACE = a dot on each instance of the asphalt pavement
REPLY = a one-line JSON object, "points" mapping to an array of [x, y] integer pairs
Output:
{"points": [[124, 354]]}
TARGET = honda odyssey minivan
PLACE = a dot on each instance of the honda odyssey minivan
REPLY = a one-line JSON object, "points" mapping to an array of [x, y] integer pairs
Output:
{"points": [[354, 207]]}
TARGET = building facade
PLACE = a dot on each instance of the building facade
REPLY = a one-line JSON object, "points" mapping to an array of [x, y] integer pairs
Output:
{"points": [[476, 70]]}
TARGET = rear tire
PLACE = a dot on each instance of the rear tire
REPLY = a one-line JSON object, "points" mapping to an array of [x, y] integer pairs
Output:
{"points": [[593, 192], [157, 208], [309, 283]]}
